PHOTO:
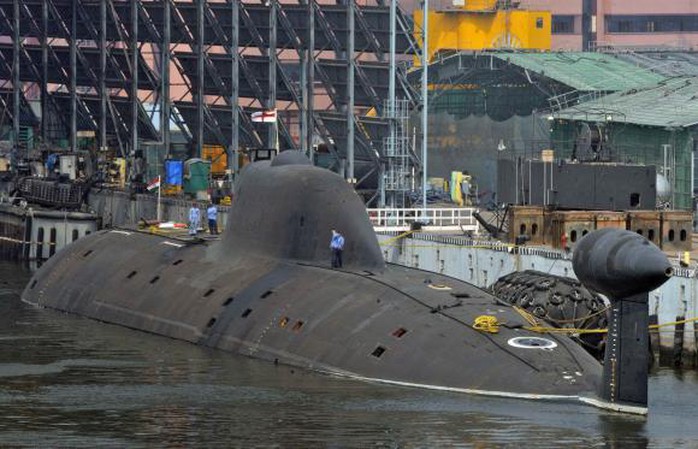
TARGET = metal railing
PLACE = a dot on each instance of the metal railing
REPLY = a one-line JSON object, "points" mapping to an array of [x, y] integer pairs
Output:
{"points": [[436, 219]]}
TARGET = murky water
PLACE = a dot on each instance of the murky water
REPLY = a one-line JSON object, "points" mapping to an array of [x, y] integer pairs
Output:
{"points": [[67, 381]]}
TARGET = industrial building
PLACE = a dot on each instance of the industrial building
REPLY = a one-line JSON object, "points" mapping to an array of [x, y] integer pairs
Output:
{"points": [[653, 125], [129, 74], [153, 80], [486, 105]]}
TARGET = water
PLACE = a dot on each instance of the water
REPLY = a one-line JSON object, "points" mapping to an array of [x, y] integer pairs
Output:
{"points": [[67, 381]]}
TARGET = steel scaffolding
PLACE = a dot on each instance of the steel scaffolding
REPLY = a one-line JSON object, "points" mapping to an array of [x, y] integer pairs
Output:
{"points": [[111, 66], [398, 178]]}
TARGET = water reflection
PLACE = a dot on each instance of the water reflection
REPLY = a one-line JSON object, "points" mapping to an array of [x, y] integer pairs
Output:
{"points": [[68, 381]]}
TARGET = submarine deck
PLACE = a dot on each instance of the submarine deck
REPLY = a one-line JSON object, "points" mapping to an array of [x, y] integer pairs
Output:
{"points": [[400, 325]]}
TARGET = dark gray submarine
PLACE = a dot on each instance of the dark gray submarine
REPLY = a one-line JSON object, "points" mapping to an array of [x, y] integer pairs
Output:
{"points": [[266, 290]]}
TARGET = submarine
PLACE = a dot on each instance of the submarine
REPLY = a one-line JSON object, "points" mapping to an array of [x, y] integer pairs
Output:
{"points": [[267, 290]]}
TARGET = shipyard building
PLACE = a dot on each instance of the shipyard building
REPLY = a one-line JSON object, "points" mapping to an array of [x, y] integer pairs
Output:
{"points": [[144, 82]]}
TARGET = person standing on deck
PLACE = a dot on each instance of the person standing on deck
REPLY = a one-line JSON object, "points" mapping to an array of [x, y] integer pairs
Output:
{"points": [[194, 218], [337, 246], [212, 215]]}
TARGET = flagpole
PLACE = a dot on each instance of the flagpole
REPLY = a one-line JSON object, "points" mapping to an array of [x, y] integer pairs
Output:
{"points": [[159, 195]]}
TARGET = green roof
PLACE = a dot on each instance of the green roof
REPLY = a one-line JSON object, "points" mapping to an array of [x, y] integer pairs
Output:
{"points": [[670, 104], [584, 71]]}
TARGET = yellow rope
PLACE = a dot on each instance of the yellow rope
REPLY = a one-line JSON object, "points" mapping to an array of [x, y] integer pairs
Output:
{"points": [[486, 323], [573, 320], [535, 327], [397, 237], [527, 316], [673, 323], [558, 330]]}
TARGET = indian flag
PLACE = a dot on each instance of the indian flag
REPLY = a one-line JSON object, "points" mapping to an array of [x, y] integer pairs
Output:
{"points": [[154, 184]]}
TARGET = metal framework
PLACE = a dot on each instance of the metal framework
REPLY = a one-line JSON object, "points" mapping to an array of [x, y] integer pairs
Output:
{"points": [[112, 66]]}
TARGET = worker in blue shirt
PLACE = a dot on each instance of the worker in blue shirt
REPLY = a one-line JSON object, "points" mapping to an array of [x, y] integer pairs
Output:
{"points": [[337, 246], [212, 214], [194, 219]]}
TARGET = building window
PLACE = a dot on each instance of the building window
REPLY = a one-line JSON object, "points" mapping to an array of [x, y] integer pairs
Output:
{"points": [[634, 200], [625, 26], [637, 24], [563, 24], [539, 23]]}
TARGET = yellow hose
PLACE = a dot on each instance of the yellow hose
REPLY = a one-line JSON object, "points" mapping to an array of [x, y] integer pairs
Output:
{"points": [[486, 323]]}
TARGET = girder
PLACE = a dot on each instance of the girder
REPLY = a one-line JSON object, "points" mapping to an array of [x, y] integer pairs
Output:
{"points": [[300, 64]]}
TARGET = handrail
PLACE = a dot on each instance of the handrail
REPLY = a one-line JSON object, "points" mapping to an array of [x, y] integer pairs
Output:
{"points": [[437, 219]]}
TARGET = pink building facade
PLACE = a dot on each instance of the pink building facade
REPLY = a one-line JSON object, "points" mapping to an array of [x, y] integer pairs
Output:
{"points": [[587, 24], [635, 23]]}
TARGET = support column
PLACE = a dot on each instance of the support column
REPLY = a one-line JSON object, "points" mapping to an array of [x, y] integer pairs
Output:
{"points": [[310, 80], [199, 88], [425, 95], [165, 100], [44, 71], [134, 76], [351, 4], [234, 90], [16, 83], [103, 74], [391, 108], [272, 131], [303, 53], [73, 76]]}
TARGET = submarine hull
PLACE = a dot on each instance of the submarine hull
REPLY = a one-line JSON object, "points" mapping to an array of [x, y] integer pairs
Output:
{"points": [[266, 290], [400, 325]]}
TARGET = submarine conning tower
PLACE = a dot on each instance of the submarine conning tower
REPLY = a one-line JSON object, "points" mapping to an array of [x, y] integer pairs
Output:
{"points": [[625, 267], [287, 208]]}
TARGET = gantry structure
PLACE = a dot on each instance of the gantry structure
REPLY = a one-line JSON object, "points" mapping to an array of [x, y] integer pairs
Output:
{"points": [[132, 70]]}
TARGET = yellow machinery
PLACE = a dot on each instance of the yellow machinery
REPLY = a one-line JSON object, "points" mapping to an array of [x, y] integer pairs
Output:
{"points": [[218, 157], [116, 173], [484, 25]]}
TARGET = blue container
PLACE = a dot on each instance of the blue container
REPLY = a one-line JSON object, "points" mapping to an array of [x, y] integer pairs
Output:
{"points": [[174, 172]]}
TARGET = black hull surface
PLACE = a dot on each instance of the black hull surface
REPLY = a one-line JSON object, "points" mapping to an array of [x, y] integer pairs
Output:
{"points": [[266, 290], [401, 325]]}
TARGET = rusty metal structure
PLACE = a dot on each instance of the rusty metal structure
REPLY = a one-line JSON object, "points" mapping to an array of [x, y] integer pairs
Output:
{"points": [[130, 69]]}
